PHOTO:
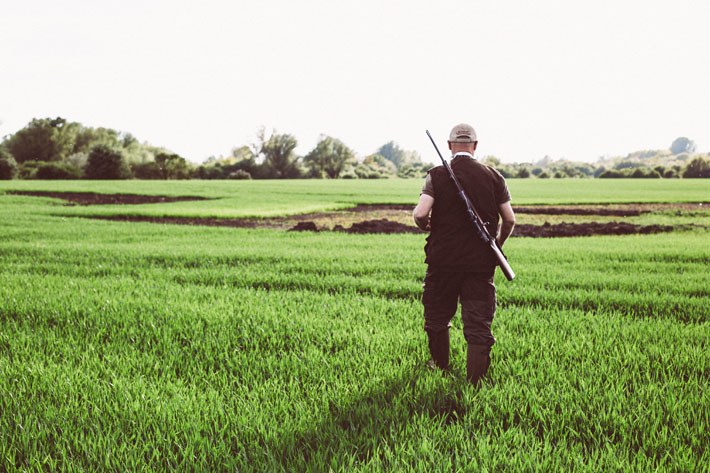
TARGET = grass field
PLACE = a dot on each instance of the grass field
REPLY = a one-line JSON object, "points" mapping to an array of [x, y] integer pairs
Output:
{"points": [[143, 347]]}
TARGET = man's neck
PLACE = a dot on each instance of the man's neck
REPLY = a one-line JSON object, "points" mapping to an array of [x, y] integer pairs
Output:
{"points": [[462, 153]]}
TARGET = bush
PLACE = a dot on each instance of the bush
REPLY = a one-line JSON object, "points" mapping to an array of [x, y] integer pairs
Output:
{"points": [[106, 163], [149, 170], [28, 169], [239, 174], [612, 173], [414, 170], [698, 167], [8, 165], [543, 175], [57, 170]]}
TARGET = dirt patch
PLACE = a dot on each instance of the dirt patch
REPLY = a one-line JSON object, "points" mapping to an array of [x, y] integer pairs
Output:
{"points": [[587, 229], [387, 218], [378, 226], [608, 210], [90, 198], [388, 226]]}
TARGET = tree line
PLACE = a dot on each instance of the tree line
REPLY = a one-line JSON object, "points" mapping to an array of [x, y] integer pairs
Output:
{"points": [[54, 148]]}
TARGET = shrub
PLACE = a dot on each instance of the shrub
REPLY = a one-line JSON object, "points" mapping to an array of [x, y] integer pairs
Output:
{"points": [[106, 163], [57, 170], [8, 165], [239, 174], [149, 170], [698, 167], [28, 169], [611, 173]]}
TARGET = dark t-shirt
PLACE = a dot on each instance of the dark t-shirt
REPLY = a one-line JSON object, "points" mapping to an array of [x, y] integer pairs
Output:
{"points": [[452, 242], [502, 193]]}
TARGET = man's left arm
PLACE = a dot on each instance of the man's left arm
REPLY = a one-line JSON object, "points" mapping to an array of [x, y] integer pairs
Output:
{"points": [[422, 211]]}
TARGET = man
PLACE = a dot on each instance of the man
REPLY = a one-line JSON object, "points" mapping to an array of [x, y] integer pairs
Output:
{"points": [[460, 265]]}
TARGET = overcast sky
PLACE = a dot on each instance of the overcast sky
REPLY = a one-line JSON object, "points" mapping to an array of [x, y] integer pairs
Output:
{"points": [[575, 80]]}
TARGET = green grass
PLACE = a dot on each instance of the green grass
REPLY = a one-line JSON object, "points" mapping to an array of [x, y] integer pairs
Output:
{"points": [[272, 198], [141, 347]]}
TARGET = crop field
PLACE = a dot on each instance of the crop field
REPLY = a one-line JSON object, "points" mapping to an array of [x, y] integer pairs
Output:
{"points": [[138, 346]]}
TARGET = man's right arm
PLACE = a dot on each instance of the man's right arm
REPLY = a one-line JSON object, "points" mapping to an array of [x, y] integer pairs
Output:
{"points": [[508, 222], [422, 210]]}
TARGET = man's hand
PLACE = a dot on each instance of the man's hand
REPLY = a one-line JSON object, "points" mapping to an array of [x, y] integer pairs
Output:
{"points": [[421, 212]]}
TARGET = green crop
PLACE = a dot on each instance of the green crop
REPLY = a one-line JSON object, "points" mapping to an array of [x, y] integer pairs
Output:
{"points": [[144, 347]]}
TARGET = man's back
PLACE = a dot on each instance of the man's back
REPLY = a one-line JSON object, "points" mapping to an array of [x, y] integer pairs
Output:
{"points": [[453, 242]]}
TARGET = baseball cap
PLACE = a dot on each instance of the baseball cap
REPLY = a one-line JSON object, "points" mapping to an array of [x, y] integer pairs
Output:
{"points": [[463, 133]]}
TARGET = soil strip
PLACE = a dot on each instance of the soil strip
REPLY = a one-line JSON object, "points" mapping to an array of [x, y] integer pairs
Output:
{"points": [[389, 227], [91, 198], [323, 221]]}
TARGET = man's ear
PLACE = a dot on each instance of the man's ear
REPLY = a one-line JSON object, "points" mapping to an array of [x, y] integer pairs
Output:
{"points": [[475, 144], [449, 143]]}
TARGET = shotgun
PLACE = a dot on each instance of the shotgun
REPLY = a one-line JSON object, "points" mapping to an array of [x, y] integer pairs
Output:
{"points": [[478, 225]]}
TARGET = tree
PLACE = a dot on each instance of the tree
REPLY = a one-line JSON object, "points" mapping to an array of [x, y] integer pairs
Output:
{"points": [[43, 139], [87, 138], [682, 145], [172, 166], [8, 165], [375, 166], [415, 170], [106, 163], [698, 167], [329, 158], [397, 156], [280, 162]]}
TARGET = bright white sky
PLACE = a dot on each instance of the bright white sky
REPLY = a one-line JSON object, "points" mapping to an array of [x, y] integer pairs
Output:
{"points": [[568, 79]]}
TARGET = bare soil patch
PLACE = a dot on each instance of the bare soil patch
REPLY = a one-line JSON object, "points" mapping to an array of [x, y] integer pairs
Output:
{"points": [[388, 218], [90, 198], [587, 229], [612, 210]]}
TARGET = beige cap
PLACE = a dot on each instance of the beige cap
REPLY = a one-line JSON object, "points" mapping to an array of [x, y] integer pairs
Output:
{"points": [[463, 133]]}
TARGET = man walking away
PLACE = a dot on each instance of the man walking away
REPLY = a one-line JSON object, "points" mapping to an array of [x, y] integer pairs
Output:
{"points": [[460, 266]]}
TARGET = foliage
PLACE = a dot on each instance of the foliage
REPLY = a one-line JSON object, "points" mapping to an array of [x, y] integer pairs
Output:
{"points": [[55, 170], [280, 162], [239, 174], [682, 145], [698, 167], [28, 169], [375, 166], [42, 139], [106, 163], [416, 170], [396, 155], [329, 158], [149, 170], [172, 166], [8, 165]]}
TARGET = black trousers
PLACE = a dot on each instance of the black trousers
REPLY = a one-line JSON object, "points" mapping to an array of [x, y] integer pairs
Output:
{"points": [[443, 289]]}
